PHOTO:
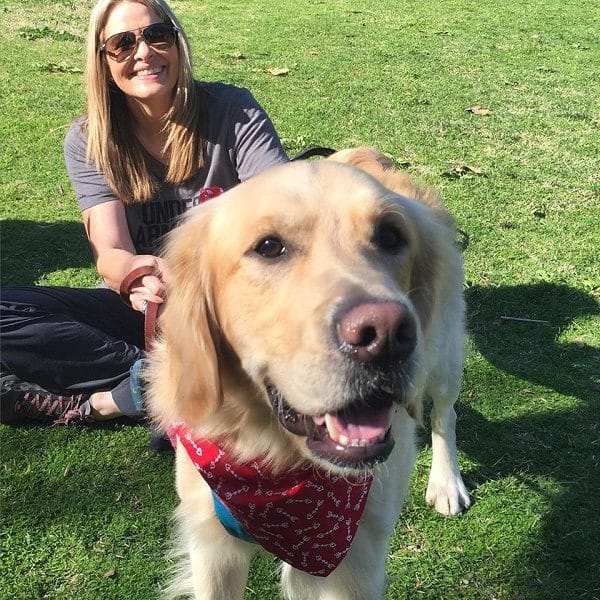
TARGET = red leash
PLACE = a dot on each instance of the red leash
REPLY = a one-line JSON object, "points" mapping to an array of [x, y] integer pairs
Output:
{"points": [[151, 309]]}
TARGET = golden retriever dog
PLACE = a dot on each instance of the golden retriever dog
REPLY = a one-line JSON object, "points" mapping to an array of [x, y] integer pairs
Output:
{"points": [[310, 311]]}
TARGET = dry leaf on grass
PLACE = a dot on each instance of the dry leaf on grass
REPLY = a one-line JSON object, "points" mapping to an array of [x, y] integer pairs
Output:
{"points": [[462, 170], [278, 72], [479, 111]]}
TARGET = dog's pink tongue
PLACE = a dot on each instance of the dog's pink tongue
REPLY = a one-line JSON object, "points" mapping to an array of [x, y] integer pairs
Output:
{"points": [[360, 425]]}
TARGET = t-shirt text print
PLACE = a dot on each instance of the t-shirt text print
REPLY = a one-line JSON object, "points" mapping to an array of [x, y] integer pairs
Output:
{"points": [[158, 217]]}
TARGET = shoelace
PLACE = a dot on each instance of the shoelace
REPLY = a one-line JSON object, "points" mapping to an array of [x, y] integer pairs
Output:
{"points": [[71, 415], [59, 406]]}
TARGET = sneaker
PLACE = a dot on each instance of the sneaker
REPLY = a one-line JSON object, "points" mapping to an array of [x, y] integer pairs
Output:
{"points": [[21, 401]]}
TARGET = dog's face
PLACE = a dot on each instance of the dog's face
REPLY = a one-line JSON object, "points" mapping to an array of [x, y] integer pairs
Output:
{"points": [[299, 301]]}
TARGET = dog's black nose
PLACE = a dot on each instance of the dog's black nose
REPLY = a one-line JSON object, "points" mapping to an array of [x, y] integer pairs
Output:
{"points": [[377, 330]]}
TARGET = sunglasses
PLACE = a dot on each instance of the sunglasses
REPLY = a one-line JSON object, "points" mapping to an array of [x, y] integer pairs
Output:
{"points": [[122, 46]]}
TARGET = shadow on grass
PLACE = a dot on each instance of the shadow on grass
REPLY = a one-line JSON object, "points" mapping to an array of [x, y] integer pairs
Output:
{"points": [[31, 249], [533, 351], [560, 442]]}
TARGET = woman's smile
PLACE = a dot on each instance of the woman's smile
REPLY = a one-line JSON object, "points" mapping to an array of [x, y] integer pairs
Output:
{"points": [[149, 76], [148, 73]]}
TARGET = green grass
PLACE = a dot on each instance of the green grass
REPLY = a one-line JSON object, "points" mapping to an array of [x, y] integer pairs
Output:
{"points": [[86, 512]]}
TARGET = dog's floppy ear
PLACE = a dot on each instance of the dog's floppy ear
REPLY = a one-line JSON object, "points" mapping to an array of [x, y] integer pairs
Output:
{"points": [[184, 368], [424, 269], [437, 263]]}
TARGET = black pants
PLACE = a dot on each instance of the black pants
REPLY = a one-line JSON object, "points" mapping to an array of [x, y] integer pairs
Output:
{"points": [[71, 339]]}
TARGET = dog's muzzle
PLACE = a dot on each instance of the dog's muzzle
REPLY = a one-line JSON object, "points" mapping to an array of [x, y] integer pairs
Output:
{"points": [[376, 339]]}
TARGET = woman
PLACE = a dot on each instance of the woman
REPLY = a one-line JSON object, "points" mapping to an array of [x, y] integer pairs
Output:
{"points": [[154, 143]]}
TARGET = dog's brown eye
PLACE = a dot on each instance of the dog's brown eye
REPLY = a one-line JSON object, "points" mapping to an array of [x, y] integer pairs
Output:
{"points": [[270, 247], [389, 238]]}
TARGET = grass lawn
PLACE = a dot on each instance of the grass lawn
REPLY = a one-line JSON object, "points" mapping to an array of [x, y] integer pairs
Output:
{"points": [[494, 103]]}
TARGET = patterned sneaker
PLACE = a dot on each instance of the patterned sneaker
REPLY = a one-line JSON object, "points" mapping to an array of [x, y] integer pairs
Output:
{"points": [[21, 402]]}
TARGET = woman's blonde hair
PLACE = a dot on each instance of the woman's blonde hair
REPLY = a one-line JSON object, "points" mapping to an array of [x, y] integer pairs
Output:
{"points": [[111, 141]]}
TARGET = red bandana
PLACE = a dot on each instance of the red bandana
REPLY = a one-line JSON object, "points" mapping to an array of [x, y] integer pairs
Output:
{"points": [[305, 517]]}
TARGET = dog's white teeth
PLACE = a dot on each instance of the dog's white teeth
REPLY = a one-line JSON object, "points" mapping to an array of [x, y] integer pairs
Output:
{"points": [[332, 430], [359, 443], [344, 441]]}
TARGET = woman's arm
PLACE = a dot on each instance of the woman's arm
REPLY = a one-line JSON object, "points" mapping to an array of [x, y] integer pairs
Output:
{"points": [[115, 256]]}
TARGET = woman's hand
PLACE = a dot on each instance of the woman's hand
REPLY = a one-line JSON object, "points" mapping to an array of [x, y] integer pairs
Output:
{"points": [[114, 252], [148, 288]]}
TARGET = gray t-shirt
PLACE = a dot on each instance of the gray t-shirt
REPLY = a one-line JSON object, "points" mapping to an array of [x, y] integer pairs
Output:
{"points": [[241, 142]]}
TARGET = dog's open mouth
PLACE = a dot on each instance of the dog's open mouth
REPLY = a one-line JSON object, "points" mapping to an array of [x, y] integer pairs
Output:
{"points": [[358, 436]]}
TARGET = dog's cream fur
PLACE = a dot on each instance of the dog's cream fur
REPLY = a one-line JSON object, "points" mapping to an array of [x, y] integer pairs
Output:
{"points": [[235, 318]]}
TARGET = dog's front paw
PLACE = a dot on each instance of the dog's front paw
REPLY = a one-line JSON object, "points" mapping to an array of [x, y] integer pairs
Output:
{"points": [[448, 494]]}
